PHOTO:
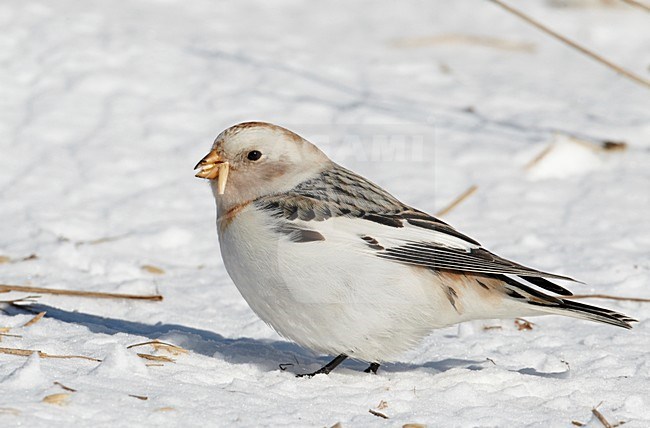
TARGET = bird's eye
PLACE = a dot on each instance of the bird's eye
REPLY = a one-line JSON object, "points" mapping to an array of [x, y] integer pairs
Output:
{"points": [[254, 155]]}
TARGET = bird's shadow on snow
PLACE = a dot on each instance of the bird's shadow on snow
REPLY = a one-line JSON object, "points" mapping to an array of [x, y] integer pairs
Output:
{"points": [[267, 355]]}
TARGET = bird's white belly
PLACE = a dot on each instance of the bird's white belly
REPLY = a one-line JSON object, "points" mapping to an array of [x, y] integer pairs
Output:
{"points": [[331, 297]]}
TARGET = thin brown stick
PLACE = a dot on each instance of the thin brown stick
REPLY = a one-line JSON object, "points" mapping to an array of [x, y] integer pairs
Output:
{"points": [[466, 194], [26, 299], [378, 414], [609, 297], [534, 161], [36, 319], [600, 417], [157, 344], [161, 358], [67, 388], [95, 294], [638, 4], [139, 397], [60, 399], [28, 352], [592, 55]]}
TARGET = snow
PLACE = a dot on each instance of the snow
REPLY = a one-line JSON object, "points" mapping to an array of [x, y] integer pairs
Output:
{"points": [[106, 106]]}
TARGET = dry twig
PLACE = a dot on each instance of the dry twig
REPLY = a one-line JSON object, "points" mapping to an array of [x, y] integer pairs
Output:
{"points": [[378, 414], [152, 269], [600, 416], [34, 320], [26, 299], [523, 324], [468, 39], [156, 358], [608, 297], [172, 349], [574, 45], [139, 397], [28, 352], [491, 327], [67, 388], [59, 399], [466, 194], [95, 294], [534, 161]]}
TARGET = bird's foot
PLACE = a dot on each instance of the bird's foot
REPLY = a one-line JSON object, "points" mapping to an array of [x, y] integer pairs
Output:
{"points": [[327, 368], [372, 369]]}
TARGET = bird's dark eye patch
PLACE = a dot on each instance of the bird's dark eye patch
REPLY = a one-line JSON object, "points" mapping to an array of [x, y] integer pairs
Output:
{"points": [[254, 155]]}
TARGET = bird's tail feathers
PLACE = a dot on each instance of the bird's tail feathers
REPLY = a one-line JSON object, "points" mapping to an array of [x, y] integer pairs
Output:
{"points": [[589, 312], [562, 306]]}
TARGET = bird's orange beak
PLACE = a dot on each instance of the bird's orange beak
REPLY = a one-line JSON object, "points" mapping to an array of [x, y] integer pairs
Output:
{"points": [[211, 167]]}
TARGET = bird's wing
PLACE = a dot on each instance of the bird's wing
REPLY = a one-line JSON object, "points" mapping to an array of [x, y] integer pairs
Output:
{"points": [[344, 206]]}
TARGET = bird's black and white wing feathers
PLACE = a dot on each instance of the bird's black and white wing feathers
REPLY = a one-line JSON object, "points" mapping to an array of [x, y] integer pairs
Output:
{"points": [[347, 205]]}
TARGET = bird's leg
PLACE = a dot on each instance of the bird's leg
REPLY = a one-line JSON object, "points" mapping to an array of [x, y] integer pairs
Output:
{"points": [[372, 369], [327, 367]]}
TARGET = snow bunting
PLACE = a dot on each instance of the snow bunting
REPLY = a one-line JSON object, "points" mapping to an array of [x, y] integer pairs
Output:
{"points": [[340, 266]]}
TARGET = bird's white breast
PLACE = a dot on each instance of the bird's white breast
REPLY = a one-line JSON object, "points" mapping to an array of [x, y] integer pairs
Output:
{"points": [[333, 296]]}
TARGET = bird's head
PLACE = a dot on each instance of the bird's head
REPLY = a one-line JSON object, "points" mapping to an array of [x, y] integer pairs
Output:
{"points": [[255, 159]]}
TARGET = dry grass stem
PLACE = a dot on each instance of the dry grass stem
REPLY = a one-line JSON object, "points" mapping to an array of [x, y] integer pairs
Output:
{"points": [[602, 146], [67, 388], [382, 405], [465, 39], [466, 194], [626, 73], [523, 324], [378, 414], [577, 423], [600, 417], [613, 146], [7, 259], [26, 299], [9, 335], [9, 410], [59, 399], [152, 269], [28, 352], [491, 327], [99, 240], [156, 358], [158, 345], [534, 161], [139, 397], [414, 426], [608, 297], [34, 320], [94, 294]]}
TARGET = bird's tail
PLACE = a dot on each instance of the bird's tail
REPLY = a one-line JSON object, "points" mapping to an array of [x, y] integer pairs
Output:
{"points": [[589, 312], [562, 306]]}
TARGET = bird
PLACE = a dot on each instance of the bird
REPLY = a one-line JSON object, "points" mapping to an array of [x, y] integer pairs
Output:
{"points": [[336, 264]]}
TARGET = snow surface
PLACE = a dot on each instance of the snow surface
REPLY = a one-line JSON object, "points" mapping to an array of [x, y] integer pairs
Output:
{"points": [[106, 106]]}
